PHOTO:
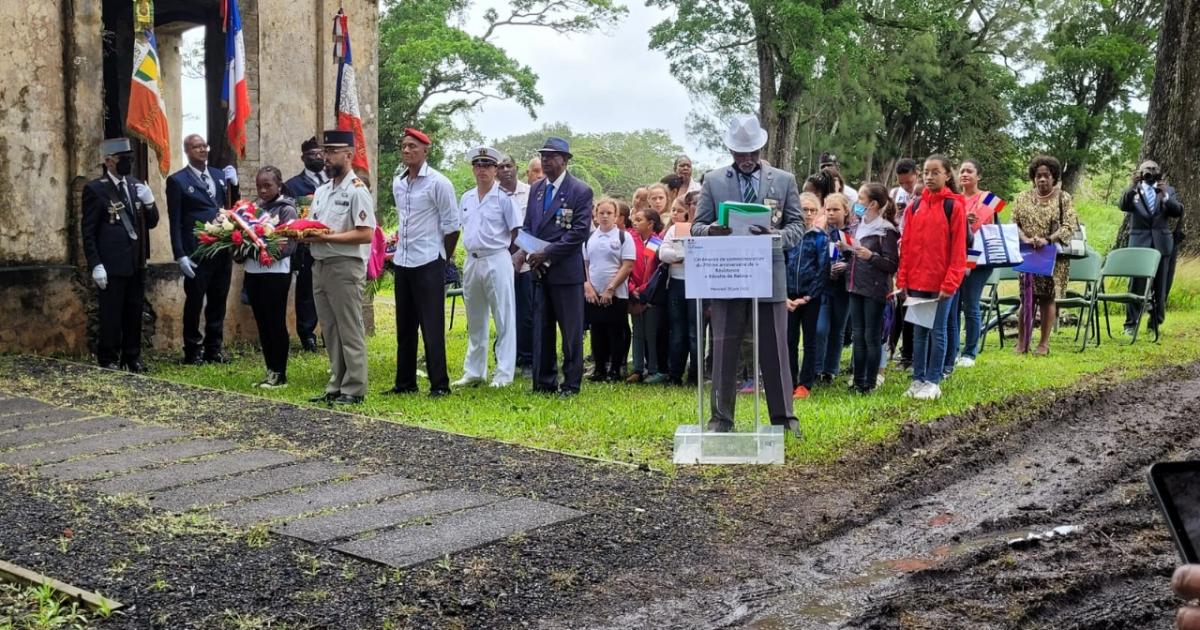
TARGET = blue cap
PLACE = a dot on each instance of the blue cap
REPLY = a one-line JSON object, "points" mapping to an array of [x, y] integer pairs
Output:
{"points": [[556, 145]]}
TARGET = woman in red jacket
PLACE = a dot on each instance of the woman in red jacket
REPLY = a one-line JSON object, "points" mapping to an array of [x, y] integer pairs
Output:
{"points": [[933, 258]]}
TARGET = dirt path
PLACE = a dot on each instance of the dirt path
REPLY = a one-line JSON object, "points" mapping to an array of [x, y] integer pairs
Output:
{"points": [[943, 559]]}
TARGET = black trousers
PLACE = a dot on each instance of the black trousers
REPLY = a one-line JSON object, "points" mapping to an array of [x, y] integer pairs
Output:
{"points": [[802, 322], [524, 294], [610, 336], [557, 306], [866, 322], [268, 294], [208, 291], [306, 307], [421, 304], [121, 319]]}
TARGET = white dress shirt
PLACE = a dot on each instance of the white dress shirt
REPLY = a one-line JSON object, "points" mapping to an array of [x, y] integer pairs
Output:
{"points": [[202, 175], [520, 199], [488, 223], [428, 211]]}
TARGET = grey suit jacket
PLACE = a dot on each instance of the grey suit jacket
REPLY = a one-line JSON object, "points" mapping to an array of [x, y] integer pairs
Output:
{"points": [[722, 184]]}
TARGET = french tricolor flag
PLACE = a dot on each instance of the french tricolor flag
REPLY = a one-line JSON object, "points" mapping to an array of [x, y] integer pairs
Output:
{"points": [[346, 105], [234, 95], [993, 202]]}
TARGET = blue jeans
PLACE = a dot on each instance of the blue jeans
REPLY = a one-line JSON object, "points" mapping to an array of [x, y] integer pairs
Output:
{"points": [[929, 347], [831, 330], [952, 329], [969, 293], [681, 317]]}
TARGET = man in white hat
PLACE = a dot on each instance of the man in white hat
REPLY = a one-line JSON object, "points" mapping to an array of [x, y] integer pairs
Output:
{"points": [[490, 224], [749, 179]]}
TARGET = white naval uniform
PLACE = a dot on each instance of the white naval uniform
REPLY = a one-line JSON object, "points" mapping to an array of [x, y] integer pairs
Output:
{"points": [[488, 282]]}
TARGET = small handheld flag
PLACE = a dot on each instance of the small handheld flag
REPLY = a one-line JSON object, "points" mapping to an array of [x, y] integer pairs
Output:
{"points": [[993, 202]]}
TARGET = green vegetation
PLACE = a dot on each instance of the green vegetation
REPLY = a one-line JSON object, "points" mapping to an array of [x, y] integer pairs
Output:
{"points": [[42, 608]]}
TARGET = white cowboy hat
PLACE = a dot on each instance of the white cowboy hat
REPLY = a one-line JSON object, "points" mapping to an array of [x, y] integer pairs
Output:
{"points": [[745, 135]]}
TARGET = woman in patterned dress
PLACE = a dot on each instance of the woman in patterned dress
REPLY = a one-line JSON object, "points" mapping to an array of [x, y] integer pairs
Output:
{"points": [[1046, 217]]}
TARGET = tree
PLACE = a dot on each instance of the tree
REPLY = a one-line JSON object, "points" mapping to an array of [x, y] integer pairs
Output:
{"points": [[1172, 133], [1094, 60], [432, 69]]}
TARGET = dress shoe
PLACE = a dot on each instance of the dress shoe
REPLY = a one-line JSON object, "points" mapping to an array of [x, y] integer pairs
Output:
{"points": [[109, 366], [326, 397], [308, 344], [192, 359], [438, 393], [400, 391], [717, 426], [793, 425], [215, 357], [135, 366], [347, 399], [568, 393]]}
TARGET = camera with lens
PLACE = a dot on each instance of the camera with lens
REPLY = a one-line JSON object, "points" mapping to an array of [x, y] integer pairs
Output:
{"points": [[1151, 178]]}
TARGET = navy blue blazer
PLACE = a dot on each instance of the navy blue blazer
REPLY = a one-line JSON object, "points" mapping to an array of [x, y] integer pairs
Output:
{"points": [[299, 186], [566, 243], [105, 240], [188, 202]]}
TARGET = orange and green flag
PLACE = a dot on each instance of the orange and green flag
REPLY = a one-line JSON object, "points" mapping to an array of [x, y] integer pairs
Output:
{"points": [[147, 117]]}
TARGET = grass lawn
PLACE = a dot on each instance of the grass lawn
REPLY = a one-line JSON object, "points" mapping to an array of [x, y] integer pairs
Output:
{"points": [[635, 423]]}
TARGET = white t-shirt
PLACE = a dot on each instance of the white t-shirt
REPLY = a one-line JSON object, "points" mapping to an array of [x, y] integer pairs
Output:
{"points": [[603, 254]]}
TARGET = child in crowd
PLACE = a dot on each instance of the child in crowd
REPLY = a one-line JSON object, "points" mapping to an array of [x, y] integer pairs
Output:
{"points": [[647, 225], [835, 307], [681, 312], [874, 257], [807, 277], [608, 257]]}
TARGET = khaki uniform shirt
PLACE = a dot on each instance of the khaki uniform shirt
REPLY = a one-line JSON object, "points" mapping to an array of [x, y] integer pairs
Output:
{"points": [[343, 207]]}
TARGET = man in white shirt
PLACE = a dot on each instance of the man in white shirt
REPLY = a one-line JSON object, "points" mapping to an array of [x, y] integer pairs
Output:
{"points": [[490, 225], [906, 176], [429, 227], [518, 192]]}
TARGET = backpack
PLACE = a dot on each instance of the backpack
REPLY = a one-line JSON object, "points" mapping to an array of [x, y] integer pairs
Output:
{"points": [[378, 255], [948, 206]]}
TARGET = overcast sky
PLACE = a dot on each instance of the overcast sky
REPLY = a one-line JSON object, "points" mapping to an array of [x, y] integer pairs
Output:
{"points": [[599, 82]]}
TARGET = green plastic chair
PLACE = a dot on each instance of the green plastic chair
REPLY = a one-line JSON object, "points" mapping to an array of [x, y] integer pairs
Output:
{"points": [[1127, 263], [1086, 271], [998, 307]]}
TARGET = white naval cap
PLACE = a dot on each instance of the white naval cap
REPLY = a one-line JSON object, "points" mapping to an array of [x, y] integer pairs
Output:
{"points": [[484, 154]]}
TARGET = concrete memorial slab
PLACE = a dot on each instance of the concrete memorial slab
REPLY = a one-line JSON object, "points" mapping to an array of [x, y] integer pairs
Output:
{"points": [[18, 404], [190, 472], [133, 436], [457, 532], [331, 495], [140, 458], [357, 520], [251, 484], [40, 417], [56, 432]]}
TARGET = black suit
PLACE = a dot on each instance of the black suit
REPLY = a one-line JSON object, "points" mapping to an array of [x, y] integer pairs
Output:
{"points": [[302, 261], [107, 241], [1150, 226], [188, 201]]}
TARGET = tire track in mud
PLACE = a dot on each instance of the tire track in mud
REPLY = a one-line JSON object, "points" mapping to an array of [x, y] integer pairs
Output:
{"points": [[1042, 474]]}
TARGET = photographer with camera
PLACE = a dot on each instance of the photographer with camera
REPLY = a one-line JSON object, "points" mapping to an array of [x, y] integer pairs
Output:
{"points": [[1150, 203]]}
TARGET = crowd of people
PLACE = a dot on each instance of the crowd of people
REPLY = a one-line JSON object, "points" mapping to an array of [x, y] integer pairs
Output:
{"points": [[848, 264]]}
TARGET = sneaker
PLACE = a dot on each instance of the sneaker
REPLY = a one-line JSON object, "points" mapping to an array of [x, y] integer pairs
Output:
{"points": [[747, 387], [964, 362], [800, 393], [274, 380], [655, 379], [467, 381], [850, 381], [499, 385], [931, 391], [634, 377], [915, 387]]}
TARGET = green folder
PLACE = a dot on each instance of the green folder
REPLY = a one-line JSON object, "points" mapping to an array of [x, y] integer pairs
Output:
{"points": [[754, 213]]}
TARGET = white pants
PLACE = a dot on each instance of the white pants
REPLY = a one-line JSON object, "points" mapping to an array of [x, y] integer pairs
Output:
{"points": [[488, 287]]}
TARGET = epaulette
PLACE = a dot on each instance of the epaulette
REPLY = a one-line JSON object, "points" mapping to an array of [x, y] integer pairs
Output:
{"points": [[358, 183]]}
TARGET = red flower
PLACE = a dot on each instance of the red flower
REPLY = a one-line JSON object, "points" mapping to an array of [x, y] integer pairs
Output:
{"points": [[236, 237], [258, 229], [207, 239], [264, 258]]}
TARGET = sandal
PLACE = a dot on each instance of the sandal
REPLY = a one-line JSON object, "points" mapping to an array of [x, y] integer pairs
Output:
{"points": [[1041, 352]]}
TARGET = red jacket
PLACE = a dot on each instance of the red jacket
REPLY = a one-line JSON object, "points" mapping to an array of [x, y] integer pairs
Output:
{"points": [[644, 263], [933, 253]]}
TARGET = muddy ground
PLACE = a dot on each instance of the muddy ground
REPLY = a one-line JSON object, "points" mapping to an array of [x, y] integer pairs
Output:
{"points": [[911, 535]]}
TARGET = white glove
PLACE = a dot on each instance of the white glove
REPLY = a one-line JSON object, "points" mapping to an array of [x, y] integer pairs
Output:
{"points": [[231, 175], [144, 195], [187, 266], [100, 276]]}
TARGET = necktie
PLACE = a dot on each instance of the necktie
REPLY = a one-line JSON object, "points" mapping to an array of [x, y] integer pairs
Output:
{"points": [[1151, 197], [549, 199], [208, 185], [127, 213], [748, 194]]}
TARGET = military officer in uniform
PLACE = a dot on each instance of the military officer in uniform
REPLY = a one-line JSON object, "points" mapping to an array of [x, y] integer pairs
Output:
{"points": [[345, 205], [304, 184], [197, 192], [118, 214], [490, 223]]}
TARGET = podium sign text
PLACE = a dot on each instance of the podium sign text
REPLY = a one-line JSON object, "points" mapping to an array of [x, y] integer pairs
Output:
{"points": [[728, 267]]}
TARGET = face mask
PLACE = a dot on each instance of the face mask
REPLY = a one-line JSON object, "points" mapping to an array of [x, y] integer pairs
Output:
{"points": [[314, 164], [859, 209], [124, 165], [335, 170]]}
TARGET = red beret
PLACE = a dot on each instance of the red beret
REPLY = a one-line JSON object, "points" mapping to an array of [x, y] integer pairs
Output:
{"points": [[418, 134]]}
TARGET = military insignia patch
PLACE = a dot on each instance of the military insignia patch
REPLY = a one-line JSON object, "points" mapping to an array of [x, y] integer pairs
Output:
{"points": [[191, 190], [358, 183]]}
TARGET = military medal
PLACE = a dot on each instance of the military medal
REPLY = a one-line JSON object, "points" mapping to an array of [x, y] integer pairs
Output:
{"points": [[114, 211], [191, 190]]}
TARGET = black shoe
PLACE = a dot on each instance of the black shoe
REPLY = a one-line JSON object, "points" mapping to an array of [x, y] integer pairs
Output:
{"points": [[192, 359], [793, 425], [544, 390], [135, 366], [109, 366], [568, 393], [308, 344], [439, 393], [825, 379], [717, 426], [400, 391], [598, 376], [324, 398], [215, 357], [347, 399]]}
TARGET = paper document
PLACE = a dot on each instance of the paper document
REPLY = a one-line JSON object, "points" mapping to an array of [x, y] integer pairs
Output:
{"points": [[740, 216], [921, 311], [530, 243]]}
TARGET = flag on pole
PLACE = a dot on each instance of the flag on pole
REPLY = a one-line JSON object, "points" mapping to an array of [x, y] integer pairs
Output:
{"points": [[146, 119], [233, 89], [346, 103]]}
